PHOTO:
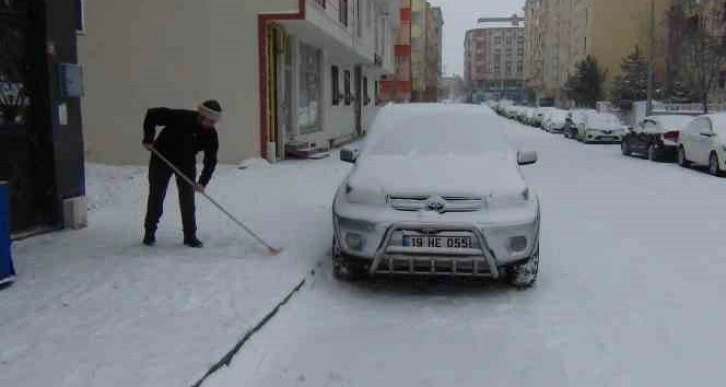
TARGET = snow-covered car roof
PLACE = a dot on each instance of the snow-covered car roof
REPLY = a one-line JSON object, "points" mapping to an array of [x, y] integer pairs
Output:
{"points": [[557, 113], [435, 129], [672, 121]]}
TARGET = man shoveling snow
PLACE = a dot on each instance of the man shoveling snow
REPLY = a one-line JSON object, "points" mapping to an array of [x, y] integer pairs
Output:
{"points": [[185, 133]]}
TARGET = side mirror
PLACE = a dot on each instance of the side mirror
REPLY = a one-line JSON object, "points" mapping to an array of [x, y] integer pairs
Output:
{"points": [[526, 158], [349, 155]]}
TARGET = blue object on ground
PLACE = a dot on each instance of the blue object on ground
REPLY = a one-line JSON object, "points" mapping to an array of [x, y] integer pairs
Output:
{"points": [[7, 271]]}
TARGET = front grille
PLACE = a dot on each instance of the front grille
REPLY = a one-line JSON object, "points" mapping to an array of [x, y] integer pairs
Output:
{"points": [[438, 266], [450, 203]]}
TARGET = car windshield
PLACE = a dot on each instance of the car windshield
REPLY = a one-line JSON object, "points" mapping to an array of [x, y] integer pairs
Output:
{"points": [[430, 132]]}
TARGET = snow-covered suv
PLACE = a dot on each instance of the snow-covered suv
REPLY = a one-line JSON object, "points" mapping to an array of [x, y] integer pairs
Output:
{"points": [[436, 190]]}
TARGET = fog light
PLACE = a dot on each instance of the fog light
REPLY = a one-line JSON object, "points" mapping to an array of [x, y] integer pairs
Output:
{"points": [[518, 243], [354, 241]]}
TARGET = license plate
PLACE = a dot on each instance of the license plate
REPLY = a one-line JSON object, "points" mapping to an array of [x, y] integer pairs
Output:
{"points": [[437, 242]]}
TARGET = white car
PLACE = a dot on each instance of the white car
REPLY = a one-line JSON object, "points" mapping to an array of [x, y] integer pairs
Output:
{"points": [[600, 127], [703, 143], [541, 114], [436, 190], [555, 120]]}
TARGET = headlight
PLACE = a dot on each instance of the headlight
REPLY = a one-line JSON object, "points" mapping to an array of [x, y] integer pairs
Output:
{"points": [[509, 200], [364, 195]]}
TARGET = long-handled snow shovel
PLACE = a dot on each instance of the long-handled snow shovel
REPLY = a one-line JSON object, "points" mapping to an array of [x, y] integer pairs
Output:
{"points": [[271, 249]]}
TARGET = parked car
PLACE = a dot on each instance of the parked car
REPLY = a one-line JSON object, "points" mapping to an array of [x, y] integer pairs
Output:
{"points": [[412, 206], [703, 143], [600, 127], [523, 114], [574, 118], [555, 121], [541, 114], [531, 118], [655, 137]]}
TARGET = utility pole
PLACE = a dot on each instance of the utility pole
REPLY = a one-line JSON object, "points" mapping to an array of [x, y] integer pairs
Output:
{"points": [[651, 32]]}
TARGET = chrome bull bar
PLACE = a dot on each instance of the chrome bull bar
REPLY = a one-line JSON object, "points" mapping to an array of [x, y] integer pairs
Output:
{"points": [[391, 260]]}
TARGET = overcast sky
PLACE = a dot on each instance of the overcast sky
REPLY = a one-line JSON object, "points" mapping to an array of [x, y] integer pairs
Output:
{"points": [[461, 15]]}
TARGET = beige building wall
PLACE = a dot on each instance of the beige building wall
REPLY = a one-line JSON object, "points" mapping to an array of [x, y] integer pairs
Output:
{"points": [[140, 54], [569, 30], [617, 26]]}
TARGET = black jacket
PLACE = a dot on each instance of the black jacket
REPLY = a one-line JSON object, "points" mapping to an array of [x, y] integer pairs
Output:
{"points": [[182, 138]]}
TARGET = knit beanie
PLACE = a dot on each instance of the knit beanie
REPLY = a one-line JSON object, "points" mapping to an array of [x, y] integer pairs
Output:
{"points": [[210, 109]]}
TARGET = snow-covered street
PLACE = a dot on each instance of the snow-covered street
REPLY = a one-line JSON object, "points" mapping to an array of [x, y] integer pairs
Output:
{"points": [[631, 280], [632, 274], [96, 308]]}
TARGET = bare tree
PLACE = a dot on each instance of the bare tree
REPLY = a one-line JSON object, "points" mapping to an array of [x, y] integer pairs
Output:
{"points": [[701, 47]]}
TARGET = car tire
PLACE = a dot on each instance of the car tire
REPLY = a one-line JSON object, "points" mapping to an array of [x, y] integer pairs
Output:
{"points": [[652, 153], [523, 275], [342, 268], [714, 167], [682, 160]]}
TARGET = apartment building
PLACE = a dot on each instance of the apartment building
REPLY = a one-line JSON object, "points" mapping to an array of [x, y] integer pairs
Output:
{"points": [[494, 60], [417, 51], [293, 76], [433, 53], [572, 29]]}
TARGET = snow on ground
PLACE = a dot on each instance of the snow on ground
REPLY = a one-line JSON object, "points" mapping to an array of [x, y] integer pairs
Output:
{"points": [[630, 294], [94, 307]]}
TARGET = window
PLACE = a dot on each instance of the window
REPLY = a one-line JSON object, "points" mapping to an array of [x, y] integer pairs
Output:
{"points": [[335, 83], [509, 68], [722, 80], [520, 67], [309, 99], [348, 94], [498, 40], [649, 126], [80, 15], [366, 95], [520, 51], [343, 12], [509, 40]]}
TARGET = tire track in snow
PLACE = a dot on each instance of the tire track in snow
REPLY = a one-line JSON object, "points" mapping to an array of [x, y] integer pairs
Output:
{"points": [[226, 360]]}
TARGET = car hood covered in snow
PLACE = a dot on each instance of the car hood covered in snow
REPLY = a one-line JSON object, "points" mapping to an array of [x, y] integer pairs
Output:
{"points": [[471, 175]]}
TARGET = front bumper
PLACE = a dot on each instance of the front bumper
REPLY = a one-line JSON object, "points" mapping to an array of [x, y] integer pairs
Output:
{"points": [[380, 249]]}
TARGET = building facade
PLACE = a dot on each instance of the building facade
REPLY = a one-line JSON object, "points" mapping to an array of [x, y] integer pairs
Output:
{"points": [[563, 32], [41, 137], [433, 53], [417, 54], [494, 62], [293, 76]]}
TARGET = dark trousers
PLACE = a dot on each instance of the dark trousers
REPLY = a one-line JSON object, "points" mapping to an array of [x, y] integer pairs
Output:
{"points": [[159, 176]]}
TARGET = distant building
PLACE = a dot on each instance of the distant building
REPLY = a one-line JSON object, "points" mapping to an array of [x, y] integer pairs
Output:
{"points": [[560, 33], [417, 50], [494, 60]]}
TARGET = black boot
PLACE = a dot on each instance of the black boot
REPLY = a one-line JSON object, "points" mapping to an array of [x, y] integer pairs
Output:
{"points": [[192, 241], [149, 238]]}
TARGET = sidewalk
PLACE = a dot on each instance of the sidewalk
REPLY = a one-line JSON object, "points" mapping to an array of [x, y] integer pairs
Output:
{"points": [[96, 308]]}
